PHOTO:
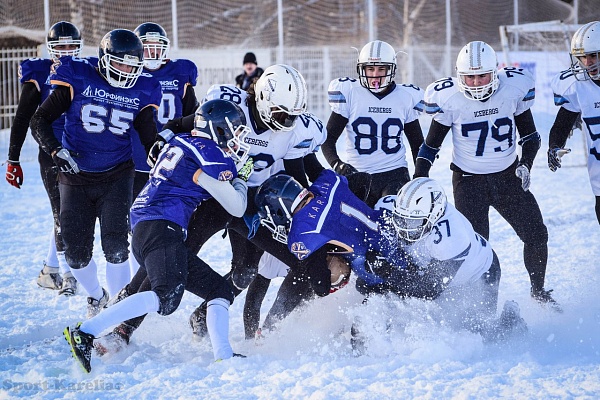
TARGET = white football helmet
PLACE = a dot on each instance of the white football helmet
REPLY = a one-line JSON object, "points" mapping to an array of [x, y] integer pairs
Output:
{"points": [[280, 95], [477, 58], [586, 41], [419, 205], [373, 53]]}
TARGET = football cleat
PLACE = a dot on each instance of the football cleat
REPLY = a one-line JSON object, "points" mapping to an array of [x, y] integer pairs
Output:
{"points": [[510, 324], [198, 322], [114, 342], [235, 355], [81, 346], [69, 285], [49, 278], [544, 297], [94, 306], [123, 294]]}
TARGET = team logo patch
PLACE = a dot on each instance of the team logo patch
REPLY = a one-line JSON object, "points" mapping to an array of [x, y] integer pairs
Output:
{"points": [[300, 250], [226, 175]]}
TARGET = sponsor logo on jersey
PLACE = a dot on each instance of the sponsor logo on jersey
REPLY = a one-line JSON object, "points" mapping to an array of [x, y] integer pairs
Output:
{"points": [[109, 97], [257, 142], [300, 250], [226, 175], [170, 85], [380, 110], [489, 111]]}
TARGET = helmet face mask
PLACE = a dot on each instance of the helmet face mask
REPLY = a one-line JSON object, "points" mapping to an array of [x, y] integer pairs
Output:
{"points": [[118, 48], [477, 59], [156, 44], [224, 122], [585, 52], [418, 207], [280, 95], [376, 54], [277, 199], [64, 34]]}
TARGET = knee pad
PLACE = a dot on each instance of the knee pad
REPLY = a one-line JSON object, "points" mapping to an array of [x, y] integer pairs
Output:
{"points": [[78, 259], [170, 299]]}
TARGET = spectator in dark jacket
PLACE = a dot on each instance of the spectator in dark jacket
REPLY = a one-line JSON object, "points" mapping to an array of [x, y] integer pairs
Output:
{"points": [[251, 72]]}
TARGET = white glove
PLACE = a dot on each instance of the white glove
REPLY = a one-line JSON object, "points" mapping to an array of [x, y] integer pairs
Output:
{"points": [[62, 158], [522, 173]]}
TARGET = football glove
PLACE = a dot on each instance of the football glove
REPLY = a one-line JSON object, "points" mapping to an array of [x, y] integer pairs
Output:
{"points": [[343, 168], [14, 173], [554, 156], [161, 139], [522, 173], [64, 161], [245, 170]]}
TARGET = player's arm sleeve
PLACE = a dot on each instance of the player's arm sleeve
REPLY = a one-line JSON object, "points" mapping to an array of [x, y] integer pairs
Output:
{"points": [[318, 272], [53, 107], [190, 103], [231, 195], [295, 168], [312, 166], [414, 134], [145, 125], [559, 133], [530, 139], [28, 102], [181, 124], [335, 126], [430, 147]]}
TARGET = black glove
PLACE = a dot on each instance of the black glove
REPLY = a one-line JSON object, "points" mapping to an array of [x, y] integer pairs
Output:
{"points": [[343, 168], [161, 139], [65, 163], [554, 156]]}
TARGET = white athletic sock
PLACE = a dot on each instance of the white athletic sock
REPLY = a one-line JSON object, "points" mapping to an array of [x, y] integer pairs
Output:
{"points": [[51, 259], [217, 322], [88, 278], [130, 307], [117, 276], [62, 264], [133, 264]]}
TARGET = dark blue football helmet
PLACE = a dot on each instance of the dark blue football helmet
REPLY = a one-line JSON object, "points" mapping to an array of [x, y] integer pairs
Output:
{"points": [[121, 47], [277, 199], [63, 34]]}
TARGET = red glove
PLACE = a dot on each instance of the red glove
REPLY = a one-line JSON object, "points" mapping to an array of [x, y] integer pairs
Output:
{"points": [[14, 174]]}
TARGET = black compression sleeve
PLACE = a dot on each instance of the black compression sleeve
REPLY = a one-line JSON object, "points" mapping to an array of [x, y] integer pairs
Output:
{"points": [[318, 272], [28, 102], [559, 133], [145, 125], [530, 139], [181, 124], [525, 124], [414, 134], [190, 103], [335, 127], [56, 104], [436, 135], [295, 168], [312, 166]]}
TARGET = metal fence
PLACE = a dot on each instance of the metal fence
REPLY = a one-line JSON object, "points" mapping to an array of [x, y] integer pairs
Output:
{"points": [[9, 82]]}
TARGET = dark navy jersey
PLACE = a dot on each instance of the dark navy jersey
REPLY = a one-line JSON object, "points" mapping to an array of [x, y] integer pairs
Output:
{"points": [[171, 192], [37, 71], [99, 122], [335, 215], [175, 77]]}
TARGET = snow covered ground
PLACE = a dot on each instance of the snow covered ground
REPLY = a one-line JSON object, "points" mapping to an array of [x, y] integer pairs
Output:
{"points": [[310, 357]]}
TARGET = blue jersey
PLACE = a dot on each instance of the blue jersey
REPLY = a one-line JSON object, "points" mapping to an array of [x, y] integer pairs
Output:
{"points": [[171, 192], [175, 77], [99, 121], [336, 216]]}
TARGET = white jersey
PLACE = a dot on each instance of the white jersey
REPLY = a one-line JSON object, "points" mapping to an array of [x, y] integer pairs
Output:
{"points": [[375, 125], [582, 97], [271, 267], [452, 239], [268, 147], [483, 132]]}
